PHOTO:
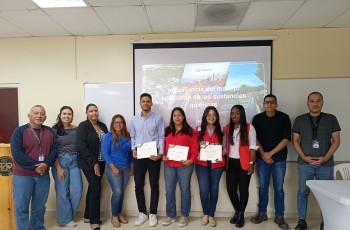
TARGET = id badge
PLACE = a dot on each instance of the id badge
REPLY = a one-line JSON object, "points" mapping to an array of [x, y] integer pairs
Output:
{"points": [[41, 157], [315, 144]]}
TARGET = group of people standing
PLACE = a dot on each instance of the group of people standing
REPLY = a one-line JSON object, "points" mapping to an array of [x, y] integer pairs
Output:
{"points": [[246, 148]]}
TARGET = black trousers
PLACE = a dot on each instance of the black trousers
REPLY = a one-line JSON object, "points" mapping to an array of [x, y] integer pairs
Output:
{"points": [[237, 179], [93, 195], [140, 168]]}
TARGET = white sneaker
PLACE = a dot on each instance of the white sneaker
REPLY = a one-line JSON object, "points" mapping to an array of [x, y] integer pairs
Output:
{"points": [[153, 221], [141, 219], [168, 221], [71, 224], [183, 221]]}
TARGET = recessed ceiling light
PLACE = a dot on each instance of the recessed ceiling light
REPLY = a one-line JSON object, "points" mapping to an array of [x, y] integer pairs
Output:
{"points": [[59, 3]]}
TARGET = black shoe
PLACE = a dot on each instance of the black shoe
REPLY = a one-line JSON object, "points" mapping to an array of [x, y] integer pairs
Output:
{"points": [[240, 220], [233, 220], [258, 218], [322, 225], [281, 223], [302, 225]]}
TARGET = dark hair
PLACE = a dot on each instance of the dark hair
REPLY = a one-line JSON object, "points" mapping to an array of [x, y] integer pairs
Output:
{"points": [[218, 130], [314, 93], [186, 128], [89, 105], [270, 95], [59, 124], [145, 95], [243, 126], [125, 132]]}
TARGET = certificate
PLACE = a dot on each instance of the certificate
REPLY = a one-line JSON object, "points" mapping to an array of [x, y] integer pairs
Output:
{"points": [[211, 153], [146, 150], [177, 152]]}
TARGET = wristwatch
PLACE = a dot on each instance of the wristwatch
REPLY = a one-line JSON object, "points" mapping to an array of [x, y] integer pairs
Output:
{"points": [[252, 162]]}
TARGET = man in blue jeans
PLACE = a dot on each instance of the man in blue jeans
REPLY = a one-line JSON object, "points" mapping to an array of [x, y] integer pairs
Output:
{"points": [[316, 137], [34, 150], [273, 131]]}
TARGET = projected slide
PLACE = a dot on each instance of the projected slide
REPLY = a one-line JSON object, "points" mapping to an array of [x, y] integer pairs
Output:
{"points": [[194, 86]]}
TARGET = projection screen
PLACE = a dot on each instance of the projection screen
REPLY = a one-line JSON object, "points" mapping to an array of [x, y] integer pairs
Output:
{"points": [[196, 75]]}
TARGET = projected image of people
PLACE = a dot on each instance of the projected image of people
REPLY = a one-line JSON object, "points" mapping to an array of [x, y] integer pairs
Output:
{"points": [[195, 86]]}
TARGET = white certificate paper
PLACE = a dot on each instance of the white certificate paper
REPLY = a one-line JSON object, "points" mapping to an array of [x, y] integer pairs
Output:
{"points": [[177, 152], [211, 153], [146, 150]]}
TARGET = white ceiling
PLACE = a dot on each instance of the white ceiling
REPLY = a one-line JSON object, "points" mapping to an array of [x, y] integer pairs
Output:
{"points": [[23, 18]]}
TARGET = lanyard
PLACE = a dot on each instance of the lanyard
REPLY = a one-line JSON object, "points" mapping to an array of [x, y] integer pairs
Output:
{"points": [[37, 138], [314, 126]]}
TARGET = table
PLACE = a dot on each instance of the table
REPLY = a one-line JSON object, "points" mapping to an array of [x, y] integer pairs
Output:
{"points": [[333, 197]]}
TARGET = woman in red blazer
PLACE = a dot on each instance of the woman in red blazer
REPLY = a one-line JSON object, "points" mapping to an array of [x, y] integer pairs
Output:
{"points": [[241, 149], [179, 133], [209, 172]]}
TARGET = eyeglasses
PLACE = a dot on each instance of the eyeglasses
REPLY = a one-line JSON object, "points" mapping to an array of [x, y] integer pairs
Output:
{"points": [[269, 102], [118, 122]]}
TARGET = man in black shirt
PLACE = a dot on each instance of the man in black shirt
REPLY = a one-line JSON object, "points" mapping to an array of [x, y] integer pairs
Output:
{"points": [[273, 131]]}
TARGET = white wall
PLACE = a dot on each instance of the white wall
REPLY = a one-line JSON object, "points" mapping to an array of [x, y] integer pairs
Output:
{"points": [[52, 71]]}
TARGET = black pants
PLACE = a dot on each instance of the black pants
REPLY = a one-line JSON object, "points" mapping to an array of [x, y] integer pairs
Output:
{"points": [[141, 167], [237, 178], [93, 195]]}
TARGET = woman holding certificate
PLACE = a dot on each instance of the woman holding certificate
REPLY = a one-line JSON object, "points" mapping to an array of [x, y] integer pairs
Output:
{"points": [[241, 148], [181, 151], [116, 150], [208, 170]]}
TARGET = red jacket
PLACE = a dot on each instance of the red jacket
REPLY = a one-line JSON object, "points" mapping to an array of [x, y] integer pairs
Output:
{"points": [[213, 139], [244, 152], [183, 140]]}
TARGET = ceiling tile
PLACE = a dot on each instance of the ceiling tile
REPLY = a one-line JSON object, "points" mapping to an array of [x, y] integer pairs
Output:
{"points": [[124, 20], [114, 2], [17, 5], [35, 22], [221, 1], [269, 15], [342, 21], [9, 30], [172, 18], [317, 13], [78, 20], [163, 2]]}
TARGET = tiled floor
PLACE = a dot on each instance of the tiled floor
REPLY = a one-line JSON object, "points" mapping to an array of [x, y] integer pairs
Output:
{"points": [[222, 224]]}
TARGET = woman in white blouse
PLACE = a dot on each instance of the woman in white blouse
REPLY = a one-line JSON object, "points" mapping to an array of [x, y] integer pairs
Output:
{"points": [[241, 149]]}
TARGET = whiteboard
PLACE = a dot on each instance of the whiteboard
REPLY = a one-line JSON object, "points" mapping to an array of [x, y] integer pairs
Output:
{"points": [[292, 97], [111, 98]]}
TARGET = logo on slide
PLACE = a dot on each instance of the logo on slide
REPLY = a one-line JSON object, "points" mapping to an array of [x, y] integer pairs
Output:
{"points": [[202, 70]]}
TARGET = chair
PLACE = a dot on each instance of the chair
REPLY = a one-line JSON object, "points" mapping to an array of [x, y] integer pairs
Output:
{"points": [[344, 169]]}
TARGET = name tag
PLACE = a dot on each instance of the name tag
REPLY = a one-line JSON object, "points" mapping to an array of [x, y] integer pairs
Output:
{"points": [[41, 157], [315, 144]]}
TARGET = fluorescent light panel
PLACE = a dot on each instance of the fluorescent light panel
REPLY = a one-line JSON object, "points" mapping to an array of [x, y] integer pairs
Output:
{"points": [[59, 3]]}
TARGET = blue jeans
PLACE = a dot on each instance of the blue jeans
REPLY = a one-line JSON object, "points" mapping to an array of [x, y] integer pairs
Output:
{"points": [[208, 181], [310, 172], [118, 185], [182, 175], [278, 171], [33, 190], [68, 190]]}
